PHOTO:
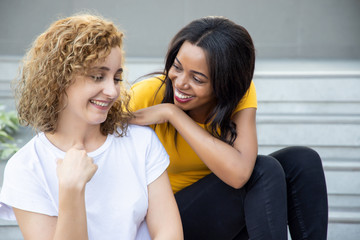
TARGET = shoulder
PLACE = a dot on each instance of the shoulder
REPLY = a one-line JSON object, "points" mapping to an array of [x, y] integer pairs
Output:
{"points": [[141, 138], [26, 181], [148, 87], [249, 100], [35, 156], [250, 95], [140, 132], [149, 151], [25, 155], [27, 161], [22, 168], [154, 82], [146, 93], [135, 135]]}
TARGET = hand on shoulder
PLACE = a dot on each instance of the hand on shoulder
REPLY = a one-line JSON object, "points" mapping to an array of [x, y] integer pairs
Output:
{"points": [[156, 114]]}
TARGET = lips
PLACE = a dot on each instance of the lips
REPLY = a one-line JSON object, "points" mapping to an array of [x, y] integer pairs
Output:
{"points": [[181, 97], [100, 103]]}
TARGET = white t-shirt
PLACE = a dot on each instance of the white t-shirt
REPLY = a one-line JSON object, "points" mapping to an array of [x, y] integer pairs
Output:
{"points": [[116, 197]]}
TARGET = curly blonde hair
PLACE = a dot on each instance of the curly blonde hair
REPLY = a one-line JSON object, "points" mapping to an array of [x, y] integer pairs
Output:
{"points": [[68, 47]]}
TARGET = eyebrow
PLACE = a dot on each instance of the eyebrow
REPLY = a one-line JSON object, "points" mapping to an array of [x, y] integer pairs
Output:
{"points": [[108, 69], [196, 72]]}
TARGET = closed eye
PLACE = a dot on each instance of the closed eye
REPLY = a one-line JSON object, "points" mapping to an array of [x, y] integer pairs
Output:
{"points": [[118, 76], [197, 80], [177, 64], [97, 77], [178, 68]]}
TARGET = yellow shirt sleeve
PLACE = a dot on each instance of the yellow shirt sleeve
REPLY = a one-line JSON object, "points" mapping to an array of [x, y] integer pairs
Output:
{"points": [[249, 100], [146, 93]]}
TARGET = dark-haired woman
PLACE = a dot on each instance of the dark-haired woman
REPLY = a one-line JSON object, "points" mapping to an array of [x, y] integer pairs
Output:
{"points": [[203, 109]]}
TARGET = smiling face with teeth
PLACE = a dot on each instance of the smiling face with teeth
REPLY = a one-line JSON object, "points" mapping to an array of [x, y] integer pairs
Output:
{"points": [[89, 99], [191, 83]]}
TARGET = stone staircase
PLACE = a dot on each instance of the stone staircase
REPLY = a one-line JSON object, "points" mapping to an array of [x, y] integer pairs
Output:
{"points": [[317, 104], [311, 103]]}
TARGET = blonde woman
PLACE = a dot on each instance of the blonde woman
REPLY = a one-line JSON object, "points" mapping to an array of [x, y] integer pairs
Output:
{"points": [[87, 174]]}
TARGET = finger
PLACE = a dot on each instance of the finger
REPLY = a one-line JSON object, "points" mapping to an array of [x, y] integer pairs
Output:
{"points": [[136, 119], [59, 161], [79, 146], [132, 121], [91, 159], [95, 167]]}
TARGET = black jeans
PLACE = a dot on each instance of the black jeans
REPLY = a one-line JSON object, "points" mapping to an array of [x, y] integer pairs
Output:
{"points": [[286, 187]]}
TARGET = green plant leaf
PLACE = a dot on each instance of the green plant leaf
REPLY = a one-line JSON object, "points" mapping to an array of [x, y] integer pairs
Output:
{"points": [[7, 150], [9, 124], [4, 136]]}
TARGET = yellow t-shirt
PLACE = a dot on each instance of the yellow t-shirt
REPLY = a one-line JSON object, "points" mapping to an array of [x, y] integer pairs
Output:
{"points": [[185, 166]]}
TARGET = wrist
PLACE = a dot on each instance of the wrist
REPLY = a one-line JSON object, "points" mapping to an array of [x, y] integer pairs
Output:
{"points": [[71, 188], [171, 112]]}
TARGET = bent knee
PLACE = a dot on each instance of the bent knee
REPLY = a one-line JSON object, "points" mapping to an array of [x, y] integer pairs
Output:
{"points": [[298, 157], [268, 166]]}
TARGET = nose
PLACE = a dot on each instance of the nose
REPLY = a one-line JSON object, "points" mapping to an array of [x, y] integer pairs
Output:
{"points": [[182, 81], [111, 88]]}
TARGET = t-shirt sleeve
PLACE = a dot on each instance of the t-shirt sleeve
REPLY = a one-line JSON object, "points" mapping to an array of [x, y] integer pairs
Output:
{"points": [[146, 93], [249, 100], [23, 189], [157, 160]]}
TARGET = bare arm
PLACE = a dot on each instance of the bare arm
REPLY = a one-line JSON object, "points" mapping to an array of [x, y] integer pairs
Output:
{"points": [[73, 172], [163, 216], [71, 223], [232, 164]]}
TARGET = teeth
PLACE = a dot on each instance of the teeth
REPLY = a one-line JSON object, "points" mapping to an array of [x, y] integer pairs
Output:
{"points": [[179, 95], [102, 104]]}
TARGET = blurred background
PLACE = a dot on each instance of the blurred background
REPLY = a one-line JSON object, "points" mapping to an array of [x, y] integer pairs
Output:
{"points": [[307, 73], [315, 29]]}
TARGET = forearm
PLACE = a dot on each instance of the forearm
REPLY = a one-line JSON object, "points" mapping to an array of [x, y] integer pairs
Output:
{"points": [[168, 236], [234, 167], [71, 223], [170, 229]]}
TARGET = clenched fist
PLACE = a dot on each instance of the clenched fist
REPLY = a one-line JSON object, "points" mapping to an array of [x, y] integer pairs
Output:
{"points": [[76, 169]]}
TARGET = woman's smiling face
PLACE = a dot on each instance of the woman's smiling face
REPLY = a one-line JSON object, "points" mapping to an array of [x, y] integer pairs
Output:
{"points": [[190, 78], [91, 96]]}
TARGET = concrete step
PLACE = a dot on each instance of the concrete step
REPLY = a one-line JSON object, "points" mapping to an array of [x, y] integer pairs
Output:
{"points": [[9, 230], [324, 135], [336, 136], [343, 183], [344, 216], [306, 119], [343, 231], [313, 89], [342, 165], [326, 152], [313, 108], [344, 223], [344, 202]]}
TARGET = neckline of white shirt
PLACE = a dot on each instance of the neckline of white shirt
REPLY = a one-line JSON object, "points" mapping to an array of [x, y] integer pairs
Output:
{"points": [[92, 154]]}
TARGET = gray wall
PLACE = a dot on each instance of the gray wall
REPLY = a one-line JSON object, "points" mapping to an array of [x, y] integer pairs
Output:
{"points": [[324, 29]]}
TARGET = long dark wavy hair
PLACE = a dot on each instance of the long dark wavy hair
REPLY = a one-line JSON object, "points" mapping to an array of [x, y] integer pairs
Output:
{"points": [[230, 55]]}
